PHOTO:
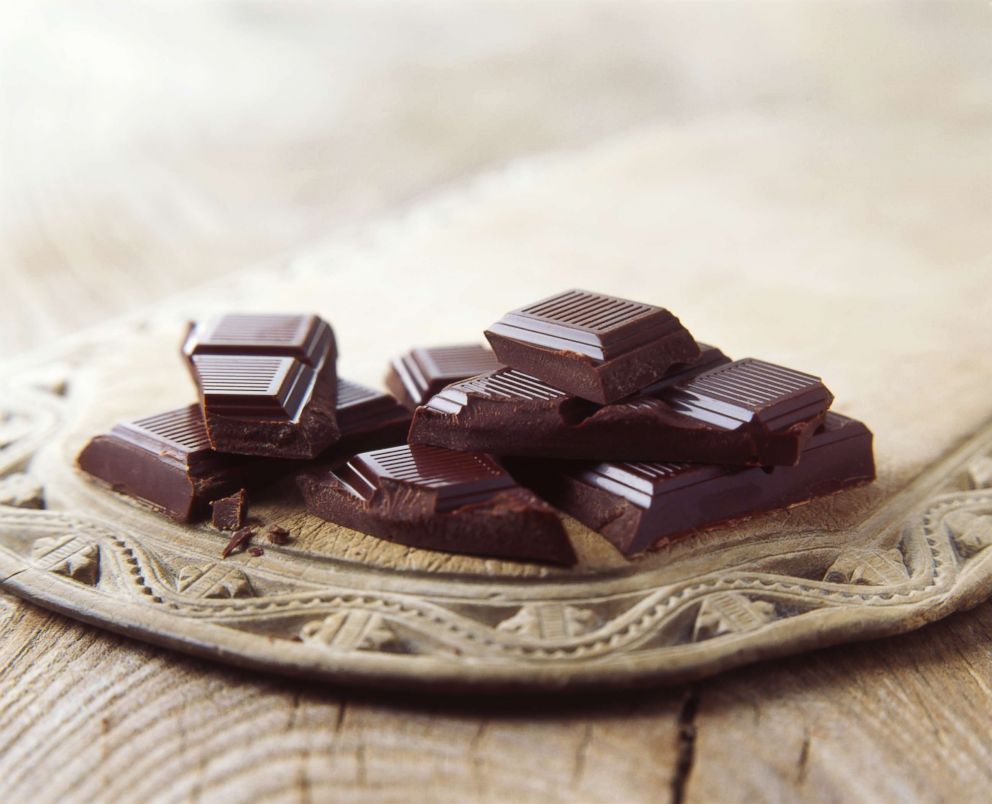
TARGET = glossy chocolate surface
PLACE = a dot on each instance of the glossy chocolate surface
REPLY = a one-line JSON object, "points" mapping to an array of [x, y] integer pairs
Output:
{"points": [[166, 460], [437, 499], [744, 413], [267, 383], [367, 419], [415, 377], [593, 346], [638, 504]]}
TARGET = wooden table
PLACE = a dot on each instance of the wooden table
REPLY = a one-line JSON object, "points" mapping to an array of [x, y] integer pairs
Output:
{"points": [[149, 147]]}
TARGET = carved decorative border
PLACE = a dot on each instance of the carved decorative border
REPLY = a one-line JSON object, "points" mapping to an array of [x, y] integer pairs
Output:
{"points": [[923, 554]]}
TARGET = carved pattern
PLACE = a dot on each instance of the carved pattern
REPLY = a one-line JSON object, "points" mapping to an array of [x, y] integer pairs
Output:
{"points": [[212, 581], [552, 621], [350, 630], [971, 532], [870, 566], [731, 613], [68, 555]]}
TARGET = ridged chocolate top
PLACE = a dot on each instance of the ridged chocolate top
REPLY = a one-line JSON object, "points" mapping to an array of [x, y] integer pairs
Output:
{"points": [[750, 390], [306, 337], [253, 386], [180, 429], [362, 408], [424, 371], [452, 479], [592, 324]]}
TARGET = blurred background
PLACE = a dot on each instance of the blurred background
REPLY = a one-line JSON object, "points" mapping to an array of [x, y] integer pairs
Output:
{"points": [[150, 145]]}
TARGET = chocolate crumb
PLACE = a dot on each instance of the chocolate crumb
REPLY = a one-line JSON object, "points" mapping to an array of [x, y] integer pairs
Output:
{"points": [[278, 534], [238, 541], [255, 551]]}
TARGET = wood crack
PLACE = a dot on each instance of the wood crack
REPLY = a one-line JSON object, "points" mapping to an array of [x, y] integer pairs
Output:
{"points": [[802, 764], [686, 755]]}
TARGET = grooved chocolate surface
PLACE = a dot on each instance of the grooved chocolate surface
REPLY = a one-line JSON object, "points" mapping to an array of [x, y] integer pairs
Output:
{"points": [[166, 460], [750, 390], [368, 419], [638, 504], [419, 374], [437, 499], [742, 413], [304, 337], [594, 346], [267, 383]]}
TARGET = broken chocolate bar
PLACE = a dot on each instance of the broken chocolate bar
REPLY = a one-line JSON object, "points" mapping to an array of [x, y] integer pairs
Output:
{"points": [[416, 376], [592, 346], [743, 413], [437, 499], [167, 461], [267, 383], [637, 505], [228, 513]]}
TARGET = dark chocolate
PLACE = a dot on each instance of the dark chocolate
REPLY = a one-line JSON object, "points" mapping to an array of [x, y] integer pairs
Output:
{"points": [[228, 513], [637, 505], [592, 346], [267, 383], [416, 376], [239, 541], [743, 413], [167, 461], [367, 419], [277, 534], [440, 500]]}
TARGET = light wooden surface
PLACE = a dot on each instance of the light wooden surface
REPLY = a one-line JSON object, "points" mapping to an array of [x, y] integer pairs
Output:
{"points": [[147, 147]]}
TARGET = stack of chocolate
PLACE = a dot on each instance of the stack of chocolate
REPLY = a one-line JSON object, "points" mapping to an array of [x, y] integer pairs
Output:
{"points": [[604, 408], [269, 397]]}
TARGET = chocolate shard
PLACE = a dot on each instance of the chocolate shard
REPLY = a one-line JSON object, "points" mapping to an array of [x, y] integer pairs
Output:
{"points": [[267, 383], [239, 541], [596, 347], [167, 461], [416, 376], [228, 513], [744, 413], [440, 500], [367, 419], [637, 505]]}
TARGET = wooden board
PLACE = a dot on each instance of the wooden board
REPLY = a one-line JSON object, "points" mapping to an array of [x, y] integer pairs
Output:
{"points": [[339, 605], [120, 185]]}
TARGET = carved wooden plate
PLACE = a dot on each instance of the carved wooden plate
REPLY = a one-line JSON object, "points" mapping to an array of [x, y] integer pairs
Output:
{"points": [[341, 606]]}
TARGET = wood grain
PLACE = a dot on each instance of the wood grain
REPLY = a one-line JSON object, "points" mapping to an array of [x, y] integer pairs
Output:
{"points": [[144, 147]]}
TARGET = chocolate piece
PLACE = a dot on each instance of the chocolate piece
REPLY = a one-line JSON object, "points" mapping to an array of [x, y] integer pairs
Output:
{"points": [[166, 460], [437, 499], [592, 346], [278, 535], [228, 513], [418, 375], [744, 413], [267, 383], [636, 505], [238, 541], [367, 419]]}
